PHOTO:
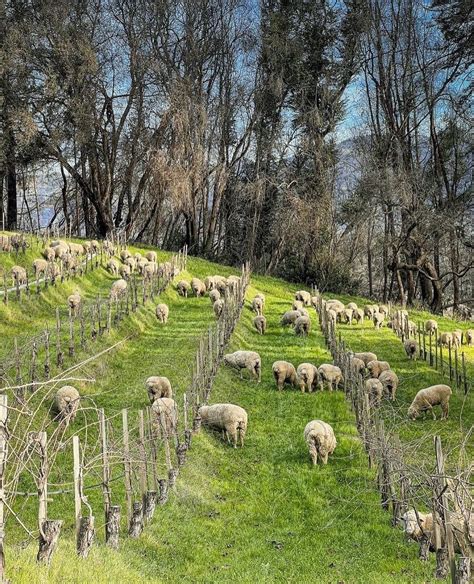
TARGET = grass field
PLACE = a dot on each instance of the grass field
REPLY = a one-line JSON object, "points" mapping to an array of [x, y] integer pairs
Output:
{"points": [[257, 514]]}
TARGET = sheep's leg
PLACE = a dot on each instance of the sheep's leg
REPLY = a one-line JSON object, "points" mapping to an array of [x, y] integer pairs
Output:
{"points": [[313, 452], [445, 410], [324, 458]]}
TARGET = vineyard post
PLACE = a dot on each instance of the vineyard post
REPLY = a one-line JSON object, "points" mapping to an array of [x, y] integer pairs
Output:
{"points": [[466, 386], [456, 369], [59, 353], [126, 464], [450, 361]]}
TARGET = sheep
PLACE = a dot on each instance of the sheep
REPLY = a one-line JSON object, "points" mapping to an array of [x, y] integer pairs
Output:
{"points": [[19, 275], [336, 305], [198, 287], [151, 256], [411, 349], [125, 271], [218, 307], [124, 254], [284, 372], [249, 360], [166, 415], [131, 262], [389, 380], [307, 376], [457, 338], [49, 254], [74, 302], [383, 309], [66, 403], [415, 527], [374, 389], [369, 311], [58, 242], [297, 304], [76, 249], [54, 271], [40, 267], [183, 288], [332, 316], [113, 267], [220, 282], [431, 326], [209, 282], [141, 263], [260, 323], [446, 339], [214, 295], [118, 289], [95, 245], [233, 281], [109, 247], [87, 247], [61, 250], [229, 418], [257, 306], [302, 326], [315, 302], [261, 296], [412, 328], [366, 357], [427, 398], [304, 297], [469, 336], [319, 436], [149, 270], [289, 318], [358, 365], [378, 319], [303, 312], [358, 315], [331, 374], [158, 387], [162, 312], [376, 367], [352, 306], [347, 315]]}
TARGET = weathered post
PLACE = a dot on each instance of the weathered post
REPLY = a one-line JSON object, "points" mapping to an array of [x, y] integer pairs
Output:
{"points": [[126, 464]]}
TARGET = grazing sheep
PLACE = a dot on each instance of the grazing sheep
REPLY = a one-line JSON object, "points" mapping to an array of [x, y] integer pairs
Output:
{"points": [[54, 272], [109, 248], [66, 403], [389, 380], [308, 377], [319, 436], [358, 365], [297, 305], [374, 389], [335, 305], [118, 289], [261, 296], [366, 357], [113, 267], [332, 316], [412, 328], [315, 302], [302, 326], [218, 307], [57, 242], [378, 319], [426, 399], [260, 323], [411, 349], [124, 254], [358, 315], [125, 271], [198, 287], [220, 282], [74, 302], [141, 263], [331, 374], [96, 245], [303, 312], [209, 282], [304, 297], [61, 250], [431, 326], [469, 337], [151, 256], [249, 360], [457, 338], [352, 306], [229, 418], [162, 312], [18, 275], [375, 367], [257, 306], [233, 282], [149, 270], [369, 311], [76, 249], [87, 246], [383, 308], [289, 318], [49, 254], [158, 387], [284, 372], [166, 415], [346, 315], [183, 288], [415, 528], [131, 262], [214, 295], [40, 267], [446, 339]]}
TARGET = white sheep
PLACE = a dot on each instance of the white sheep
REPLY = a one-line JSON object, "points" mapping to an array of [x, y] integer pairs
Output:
{"points": [[457, 338], [427, 398], [260, 323], [389, 380], [352, 306], [220, 282], [19, 275], [445, 339], [366, 357], [431, 326], [218, 307], [304, 296], [411, 348], [469, 337], [141, 263], [375, 368], [74, 302], [131, 262], [378, 319], [49, 254], [151, 256], [336, 305], [66, 403], [249, 360], [289, 318], [118, 289], [261, 296], [308, 377], [284, 372], [157, 387], [113, 267], [415, 527], [332, 316], [302, 326], [214, 295], [162, 312], [257, 305], [40, 267], [383, 309], [331, 374], [76, 249], [347, 315], [166, 415], [61, 250], [199, 288], [369, 311], [321, 441], [412, 328], [297, 305], [183, 287], [125, 271], [358, 315], [231, 419], [374, 389], [149, 270], [124, 254], [358, 365], [209, 282]]}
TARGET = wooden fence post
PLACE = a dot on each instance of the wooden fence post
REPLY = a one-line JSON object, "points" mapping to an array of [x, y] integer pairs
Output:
{"points": [[59, 353], [109, 517], [3, 459], [466, 386], [126, 464], [85, 531]]}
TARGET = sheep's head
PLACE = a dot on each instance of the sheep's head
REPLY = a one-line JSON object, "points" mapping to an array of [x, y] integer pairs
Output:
{"points": [[411, 525], [413, 412]]}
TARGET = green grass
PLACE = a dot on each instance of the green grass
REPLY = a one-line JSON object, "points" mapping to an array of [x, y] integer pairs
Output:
{"points": [[257, 514]]}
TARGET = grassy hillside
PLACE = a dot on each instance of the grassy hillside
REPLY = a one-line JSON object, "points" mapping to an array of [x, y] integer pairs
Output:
{"points": [[258, 514]]}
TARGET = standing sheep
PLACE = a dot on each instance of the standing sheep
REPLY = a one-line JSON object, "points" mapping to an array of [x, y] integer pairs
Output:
{"points": [[346, 315], [331, 374], [378, 319], [319, 436], [257, 306], [369, 311], [131, 262], [229, 418], [261, 296], [304, 296], [49, 254], [366, 357], [18, 275], [389, 380], [162, 312], [332, 316], [469, 337], [445, 339], [412, 328], [214, 295], [457, 338], [308, 377], [218, 307], [158, 387], [411, 348], [124, 254], [151, 256], [284, 372], [289, 318], [166, 415], [198, 287], [40, 267], [260, 323], [74, 302], [125, 271], [375, 368], [426, 399], [249, 360], [113, 267], [118, 289], [358, 365], [297, 305], [431, 326], [374, 390], [302, 326], [183, 288], [358, 315], [66, 403]]}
